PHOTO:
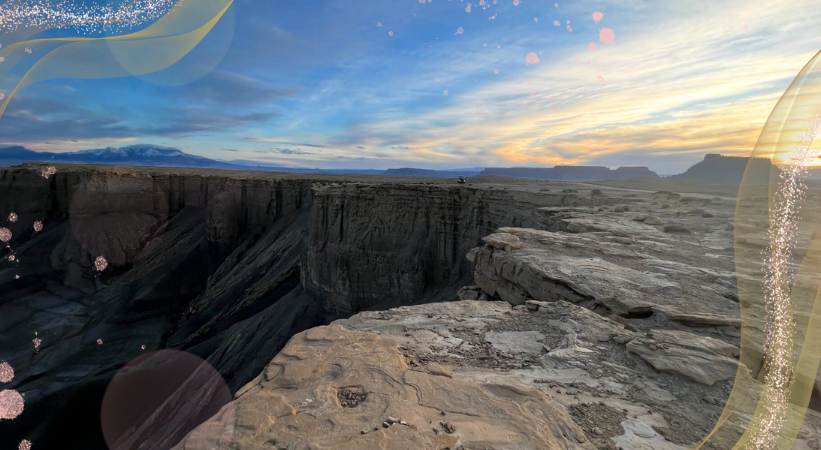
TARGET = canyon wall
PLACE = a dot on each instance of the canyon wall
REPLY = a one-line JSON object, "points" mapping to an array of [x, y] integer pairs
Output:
{"points": [[225, 265], [384, 245]]}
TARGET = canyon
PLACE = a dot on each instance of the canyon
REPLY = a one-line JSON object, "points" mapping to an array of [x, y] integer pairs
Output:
{"points": [[358, 312]]}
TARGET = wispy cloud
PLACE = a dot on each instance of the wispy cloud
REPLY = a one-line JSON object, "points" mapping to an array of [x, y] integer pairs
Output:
{"points": [[328, 87], [692, 82]]}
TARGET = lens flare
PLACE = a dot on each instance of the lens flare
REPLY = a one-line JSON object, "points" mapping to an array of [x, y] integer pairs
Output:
{"points": [[100, 264], [157, 47], [778, 280], [11, 404], [84, 17], [776, 254], [6, 372]]}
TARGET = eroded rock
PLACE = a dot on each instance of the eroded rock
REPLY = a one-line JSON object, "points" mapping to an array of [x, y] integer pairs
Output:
{"points": [[274, 411], [699, 358]]}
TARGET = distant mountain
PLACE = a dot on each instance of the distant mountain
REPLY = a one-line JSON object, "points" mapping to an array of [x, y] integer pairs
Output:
{"points": [[134, 155], [571, 173], [152, 155], [717, 169]]}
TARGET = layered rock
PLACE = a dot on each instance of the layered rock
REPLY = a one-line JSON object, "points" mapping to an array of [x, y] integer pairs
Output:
{"points": [[447, 375], [225, 265], [624, 335], [616, 261], [382, 245], [700, 358], [336, 387], [729, 170]]}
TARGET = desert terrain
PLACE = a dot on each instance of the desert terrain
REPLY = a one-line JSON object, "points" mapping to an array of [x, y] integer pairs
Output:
{"points": [[382, 312]]}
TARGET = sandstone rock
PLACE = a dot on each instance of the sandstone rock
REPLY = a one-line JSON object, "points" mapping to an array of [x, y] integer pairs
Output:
{"points": [[675, 228], [379, 245], [516, 341], [652, 220], [588, 370], [227, 265], [317, 364], [470, 293], [705, 320], [699, 358], [230, 265], [637, 277]]}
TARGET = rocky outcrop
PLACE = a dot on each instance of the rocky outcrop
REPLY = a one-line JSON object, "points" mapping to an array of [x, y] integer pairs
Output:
{"points": [[382, 245], [700, 358], [613, 262], [729, 170], [447, 375], [613, 331], [336, 387], [625, 327], [225, 265]]}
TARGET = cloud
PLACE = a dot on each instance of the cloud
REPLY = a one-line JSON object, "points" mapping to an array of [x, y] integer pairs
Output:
{"points": [[232, 90], [691, 82], [286, 151], [678, 81], [202, 121], [35, 121], [282, 141], [42, 119]]}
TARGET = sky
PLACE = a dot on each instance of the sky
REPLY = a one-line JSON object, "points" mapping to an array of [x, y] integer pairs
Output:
{"points": [[447, 84]]}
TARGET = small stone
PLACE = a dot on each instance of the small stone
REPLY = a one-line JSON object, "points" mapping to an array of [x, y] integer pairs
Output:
{"points": [[448, 427]]}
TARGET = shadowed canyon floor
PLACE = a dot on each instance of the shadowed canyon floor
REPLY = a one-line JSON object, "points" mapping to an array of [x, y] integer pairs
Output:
{"points": [[498, 314]]}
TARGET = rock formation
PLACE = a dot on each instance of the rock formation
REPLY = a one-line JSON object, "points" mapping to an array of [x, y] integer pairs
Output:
{"points": [[629, 327], [729, 170], [225, 265], [590, 317]]}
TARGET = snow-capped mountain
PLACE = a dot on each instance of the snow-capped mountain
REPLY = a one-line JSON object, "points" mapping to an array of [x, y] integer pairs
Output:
{"points": [[137, 155]]}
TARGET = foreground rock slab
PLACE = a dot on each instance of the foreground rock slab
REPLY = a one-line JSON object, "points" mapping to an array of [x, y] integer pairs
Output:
{"points": [[477, 375], [333, 387]]}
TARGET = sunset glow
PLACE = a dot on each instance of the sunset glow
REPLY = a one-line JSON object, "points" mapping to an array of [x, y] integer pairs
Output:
{"points": [[449, 84]]}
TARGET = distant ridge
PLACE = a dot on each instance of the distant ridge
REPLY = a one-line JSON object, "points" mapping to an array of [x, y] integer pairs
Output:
{"points": [[139, 155], [718, 169], [157, 156], [571, 173], [714, 169]]}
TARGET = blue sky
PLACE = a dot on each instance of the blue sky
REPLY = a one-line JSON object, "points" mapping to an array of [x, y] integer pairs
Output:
{"points": [[390, 83]]}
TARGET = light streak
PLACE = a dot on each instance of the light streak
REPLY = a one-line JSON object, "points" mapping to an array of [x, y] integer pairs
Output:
{"points": [[84, 17], [779, 325]]}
